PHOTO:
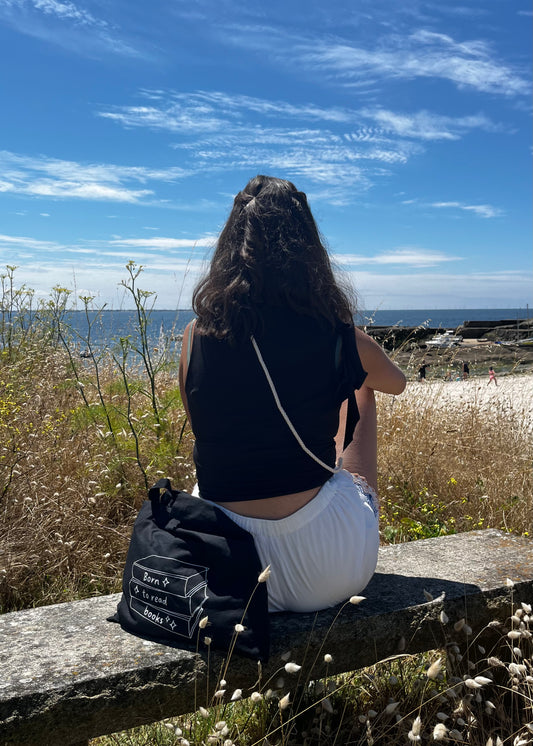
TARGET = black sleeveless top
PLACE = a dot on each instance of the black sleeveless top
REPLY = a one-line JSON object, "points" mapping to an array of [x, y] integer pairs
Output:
{"points": [[244, 449]]}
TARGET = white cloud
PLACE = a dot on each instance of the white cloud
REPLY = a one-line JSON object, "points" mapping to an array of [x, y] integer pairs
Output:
{"points": [[335, 146], [423, 54], [51, 177], [502, 289], [425, 125], [165, 243], [483, 211], [406, 256]]}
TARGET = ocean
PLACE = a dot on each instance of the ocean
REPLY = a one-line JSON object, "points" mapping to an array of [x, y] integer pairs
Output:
{"points": [[111, 325]]}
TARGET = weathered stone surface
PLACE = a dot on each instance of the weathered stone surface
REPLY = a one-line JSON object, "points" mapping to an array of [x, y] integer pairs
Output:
{"points": [[68, 674]]}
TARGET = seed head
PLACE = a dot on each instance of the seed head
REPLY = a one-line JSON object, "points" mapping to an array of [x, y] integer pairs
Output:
{"points": [[239, 628], [284, 702], [439, 732], [434, 670], [264, 575], [203, 622], [328, 658], [292, 667], [357, 599]]}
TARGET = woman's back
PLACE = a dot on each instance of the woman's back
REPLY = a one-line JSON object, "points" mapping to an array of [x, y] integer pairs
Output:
{"points": [[244, 449]]}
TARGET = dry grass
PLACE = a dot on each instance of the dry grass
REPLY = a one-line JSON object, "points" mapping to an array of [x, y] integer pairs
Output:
{"points": [[474, 691], [69, 488], [457, 456], [452, 457], [77, 452]]}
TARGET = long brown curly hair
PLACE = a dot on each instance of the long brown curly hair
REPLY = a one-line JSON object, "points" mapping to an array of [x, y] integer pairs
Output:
{"points": [[269, 252]]}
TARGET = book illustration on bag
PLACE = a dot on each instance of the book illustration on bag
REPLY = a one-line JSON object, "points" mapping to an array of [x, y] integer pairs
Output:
{"points": [[168, 593]]}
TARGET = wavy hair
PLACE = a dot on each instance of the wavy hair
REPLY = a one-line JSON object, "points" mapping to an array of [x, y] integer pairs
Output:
{"points": [[269, 252]]}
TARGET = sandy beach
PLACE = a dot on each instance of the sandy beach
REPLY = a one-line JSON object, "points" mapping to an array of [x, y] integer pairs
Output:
{"points": [[513, 395]]}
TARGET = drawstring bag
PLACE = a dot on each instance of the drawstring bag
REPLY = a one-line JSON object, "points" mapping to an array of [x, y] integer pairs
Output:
{"points": [[186, 561]]}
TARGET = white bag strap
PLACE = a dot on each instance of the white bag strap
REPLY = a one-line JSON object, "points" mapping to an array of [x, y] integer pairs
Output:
{"points": [[285, 416]]}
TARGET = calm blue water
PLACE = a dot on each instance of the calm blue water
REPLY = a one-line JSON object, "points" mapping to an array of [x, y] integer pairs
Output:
{"points": [[114, 324]]}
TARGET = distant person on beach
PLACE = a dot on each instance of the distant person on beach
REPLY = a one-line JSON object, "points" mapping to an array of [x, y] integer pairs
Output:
{"points": [[466, 371], [274, 377], [492, 376], [422, 371]]}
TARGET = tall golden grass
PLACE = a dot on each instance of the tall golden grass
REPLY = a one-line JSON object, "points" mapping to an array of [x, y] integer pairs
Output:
{"points": [[80, 440]]}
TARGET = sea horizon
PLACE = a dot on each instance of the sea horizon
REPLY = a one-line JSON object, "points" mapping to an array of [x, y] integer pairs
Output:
{"points": [[110, 324]]}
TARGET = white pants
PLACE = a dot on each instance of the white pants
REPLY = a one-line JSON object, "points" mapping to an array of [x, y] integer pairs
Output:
{"points": [[325, 552]]}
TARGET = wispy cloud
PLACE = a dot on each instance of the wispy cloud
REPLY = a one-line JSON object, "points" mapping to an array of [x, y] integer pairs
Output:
{"points": [[66, 24], [425, 125], [483, 211], [401, 256], [51, 177], [470, 64], [498, 289], [160, 242], [336, 146]]}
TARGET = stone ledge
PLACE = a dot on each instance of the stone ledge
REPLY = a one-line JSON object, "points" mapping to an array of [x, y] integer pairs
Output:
{"points": [[69, 675]]}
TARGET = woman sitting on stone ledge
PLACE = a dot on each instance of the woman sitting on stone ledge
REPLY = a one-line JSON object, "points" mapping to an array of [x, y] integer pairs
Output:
{"points": [[268, 374]]}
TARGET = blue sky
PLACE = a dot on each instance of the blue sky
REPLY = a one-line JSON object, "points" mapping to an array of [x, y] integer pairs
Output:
{"points": [[128, 126]]}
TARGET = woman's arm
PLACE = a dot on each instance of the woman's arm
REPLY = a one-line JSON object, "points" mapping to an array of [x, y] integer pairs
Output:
{"points": [[383, 374]]}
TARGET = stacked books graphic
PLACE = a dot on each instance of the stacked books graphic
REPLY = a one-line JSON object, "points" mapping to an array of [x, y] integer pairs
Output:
{"points": [[168, 593]]}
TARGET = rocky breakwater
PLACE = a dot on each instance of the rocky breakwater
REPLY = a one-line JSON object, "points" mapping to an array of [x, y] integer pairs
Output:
{"points": [[480, 347]]}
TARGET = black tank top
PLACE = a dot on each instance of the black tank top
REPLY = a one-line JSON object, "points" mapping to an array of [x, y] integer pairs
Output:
{"points": [[244, 449]]}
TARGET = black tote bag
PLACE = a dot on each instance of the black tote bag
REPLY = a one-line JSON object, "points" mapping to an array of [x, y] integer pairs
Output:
{"points": [[186, 561]]}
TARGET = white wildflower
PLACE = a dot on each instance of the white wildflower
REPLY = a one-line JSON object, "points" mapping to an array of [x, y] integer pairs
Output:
{"points": [[427, 595], [203, 712], [220, 725], [444, 617], [284, 702], [239, 628], [292, 667], [526, 607], [264, 575], [357, 599], [509, 583], [256, 696], [514, 634], [203, 622], [237, 694], [434, 670], [483, 680], [328, 658], [219, 694], [207, 640], [439, 732], [414, 733]]}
